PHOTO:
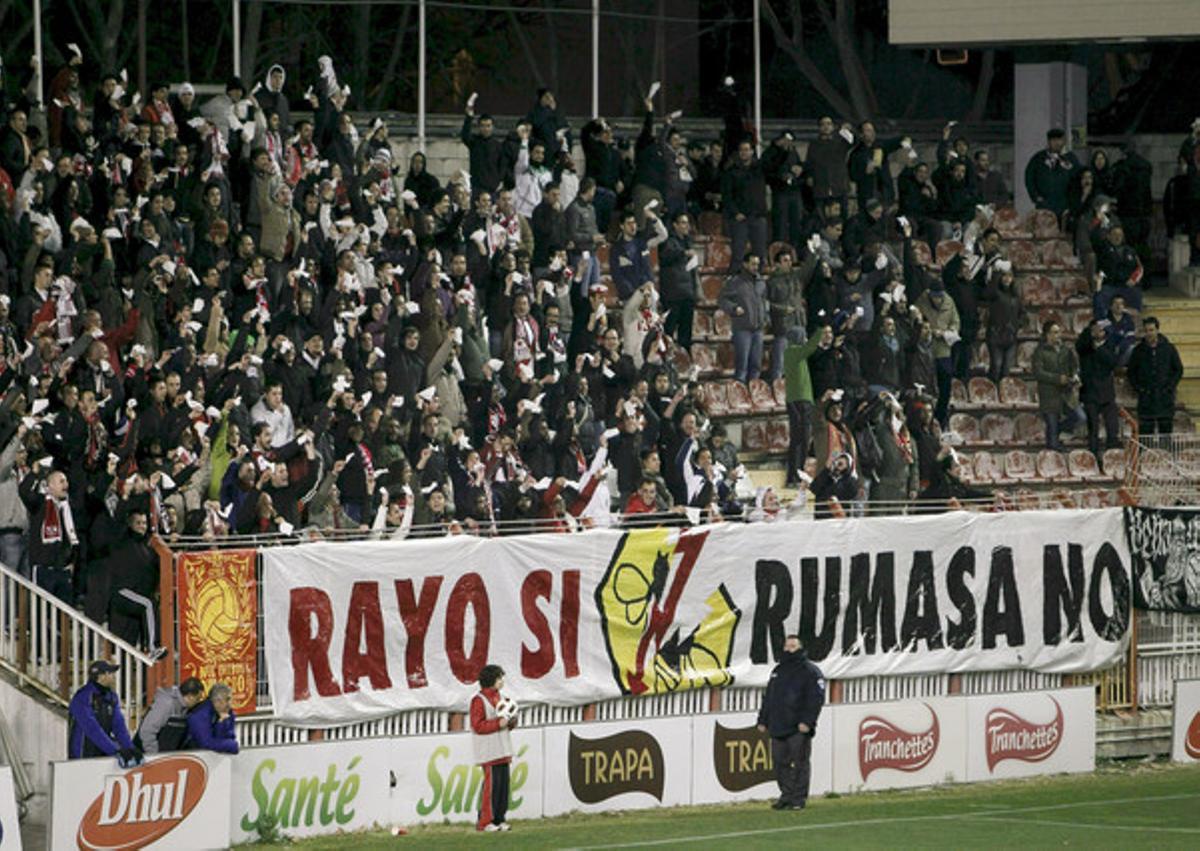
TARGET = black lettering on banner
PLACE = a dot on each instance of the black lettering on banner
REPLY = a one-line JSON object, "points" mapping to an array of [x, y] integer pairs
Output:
{"points": [[819, 644], [772, 605], [921, 620], [1062, 593], [1002, 608], [871, 606], [960, 633], [1109, 627]]}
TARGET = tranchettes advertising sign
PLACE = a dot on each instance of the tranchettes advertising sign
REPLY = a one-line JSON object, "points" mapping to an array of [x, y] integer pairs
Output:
{"points": [[365, 629]]}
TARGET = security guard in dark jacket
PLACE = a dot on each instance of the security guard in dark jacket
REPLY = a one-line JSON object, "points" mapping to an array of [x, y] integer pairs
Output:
{"points": [[792, 703], [97, 727]]}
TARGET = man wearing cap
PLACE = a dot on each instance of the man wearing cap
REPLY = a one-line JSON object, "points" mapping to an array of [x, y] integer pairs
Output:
{"points": [[96, 726], [1049, 173]]}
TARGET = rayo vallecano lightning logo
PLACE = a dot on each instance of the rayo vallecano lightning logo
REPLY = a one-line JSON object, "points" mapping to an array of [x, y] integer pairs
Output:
{"points": [[665, 629]]}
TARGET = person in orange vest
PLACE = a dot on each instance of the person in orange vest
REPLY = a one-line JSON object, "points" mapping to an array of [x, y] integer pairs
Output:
{"points": [[492, 717]]}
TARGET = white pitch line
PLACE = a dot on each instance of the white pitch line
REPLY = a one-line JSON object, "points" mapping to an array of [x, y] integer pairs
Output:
{"points": [[875, 821], [1096, 826]]}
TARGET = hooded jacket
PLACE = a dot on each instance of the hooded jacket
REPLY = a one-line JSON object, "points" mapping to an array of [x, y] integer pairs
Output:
{"points": [[795, 695], [941, 317], [274, 100]]}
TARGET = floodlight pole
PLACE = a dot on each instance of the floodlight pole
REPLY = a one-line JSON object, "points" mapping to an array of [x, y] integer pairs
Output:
{"points": [[421, 78], [595, 58], [757, 78], [37, 50], [237, 38]]}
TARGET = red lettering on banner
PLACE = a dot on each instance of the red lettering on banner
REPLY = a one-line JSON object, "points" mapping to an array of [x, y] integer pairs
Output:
{"points": [[311, 650], [469, 590], [536, 663], [416, 614], [568, 623], [364, 628], [1009, 736], [1191, 741]]}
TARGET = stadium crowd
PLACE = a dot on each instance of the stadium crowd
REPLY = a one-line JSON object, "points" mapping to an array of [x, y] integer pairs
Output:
{"points": [[223, 318]]}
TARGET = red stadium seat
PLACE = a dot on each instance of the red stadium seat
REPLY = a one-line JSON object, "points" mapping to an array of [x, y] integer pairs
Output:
{"points": [[1038, 290], [717, 255], [1043, 224], [967, 467], [716, 398], [1024, 255], [704, 356], [1074, 288], [1020, 465], [958, 394], [1010, 223], [779, 388], [777, 435], [709, 223], [982, 392], [722, 325], [1025, 355], [680, 359], [1058, 254], [1026, 500], [601, 252], [966, 427], [725, 356], [1114, 464], [981, 358], [921, 253], [989, 469], [701, 324], [1082, 465], [997, 429], [761, 397], [710, 288], [947, 249], [739, 398], [1015, 393], [1051, 465], [754, 436], [1052, 314], [1030, 428]]}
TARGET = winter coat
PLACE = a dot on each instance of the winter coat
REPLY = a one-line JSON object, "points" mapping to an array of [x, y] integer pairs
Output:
{"points": [[205, 732], [1050, 365], [1096, 365], [676, 281], [942, 317], [1048, 177], [825, 165], [1155, 372], [744, 190], [96, 726], [488, 162], [1005, 313], [795, 695], [748, 293]]}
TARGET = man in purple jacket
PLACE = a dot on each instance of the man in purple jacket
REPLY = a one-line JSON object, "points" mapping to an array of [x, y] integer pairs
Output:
{"points": [[210, 725]]}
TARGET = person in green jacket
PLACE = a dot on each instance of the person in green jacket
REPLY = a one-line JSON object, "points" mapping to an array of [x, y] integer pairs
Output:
{"points": [[939, 310], [799, 396]]}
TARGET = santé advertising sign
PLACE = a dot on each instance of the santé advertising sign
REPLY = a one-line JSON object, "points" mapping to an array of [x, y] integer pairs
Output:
{"points": [[178, 801], [310, 789]]}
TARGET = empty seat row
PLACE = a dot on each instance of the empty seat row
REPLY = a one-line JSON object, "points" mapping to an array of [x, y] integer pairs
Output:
{"points": [[1015, 466]]}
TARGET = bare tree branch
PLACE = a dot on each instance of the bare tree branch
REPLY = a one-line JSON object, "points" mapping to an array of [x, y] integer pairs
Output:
{"points": [[983, 88], [804, 63], [394, 58], [519, 29]]}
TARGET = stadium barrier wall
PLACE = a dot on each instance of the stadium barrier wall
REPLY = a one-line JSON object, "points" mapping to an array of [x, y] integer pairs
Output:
{"points": [[205, 800], [10, 828], [1185, 731]]}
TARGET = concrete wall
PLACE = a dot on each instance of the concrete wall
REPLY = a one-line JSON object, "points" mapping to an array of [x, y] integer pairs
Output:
{"points": [[957, 23], [40, 733]]}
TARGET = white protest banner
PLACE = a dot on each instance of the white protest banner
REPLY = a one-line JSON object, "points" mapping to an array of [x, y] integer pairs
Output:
{"points": [[1020, 734], [1185, 731], [178, 801], [10, 827], [311, 789], [437, 779], [731, 760], [354, 630], [618, 765], [898, 744]]}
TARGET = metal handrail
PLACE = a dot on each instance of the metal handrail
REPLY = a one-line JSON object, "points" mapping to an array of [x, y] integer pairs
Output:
{"points": [[49, 645]]}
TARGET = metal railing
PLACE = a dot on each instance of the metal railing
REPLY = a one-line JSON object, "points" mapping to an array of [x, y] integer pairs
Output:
{"points": [[48, 646]]}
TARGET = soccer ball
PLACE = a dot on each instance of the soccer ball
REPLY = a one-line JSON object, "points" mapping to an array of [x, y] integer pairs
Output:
{"points": [[218, 613], [506, 708]]}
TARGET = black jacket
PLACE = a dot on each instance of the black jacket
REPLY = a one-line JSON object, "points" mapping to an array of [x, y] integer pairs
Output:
{"points": [[488, 161], [795, 695], [676, 281], [744, 190], [1096, 365], [1154, 372]]}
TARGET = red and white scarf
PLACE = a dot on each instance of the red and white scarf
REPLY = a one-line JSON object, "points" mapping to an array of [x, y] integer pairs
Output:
{"points": [[58, 521]]}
